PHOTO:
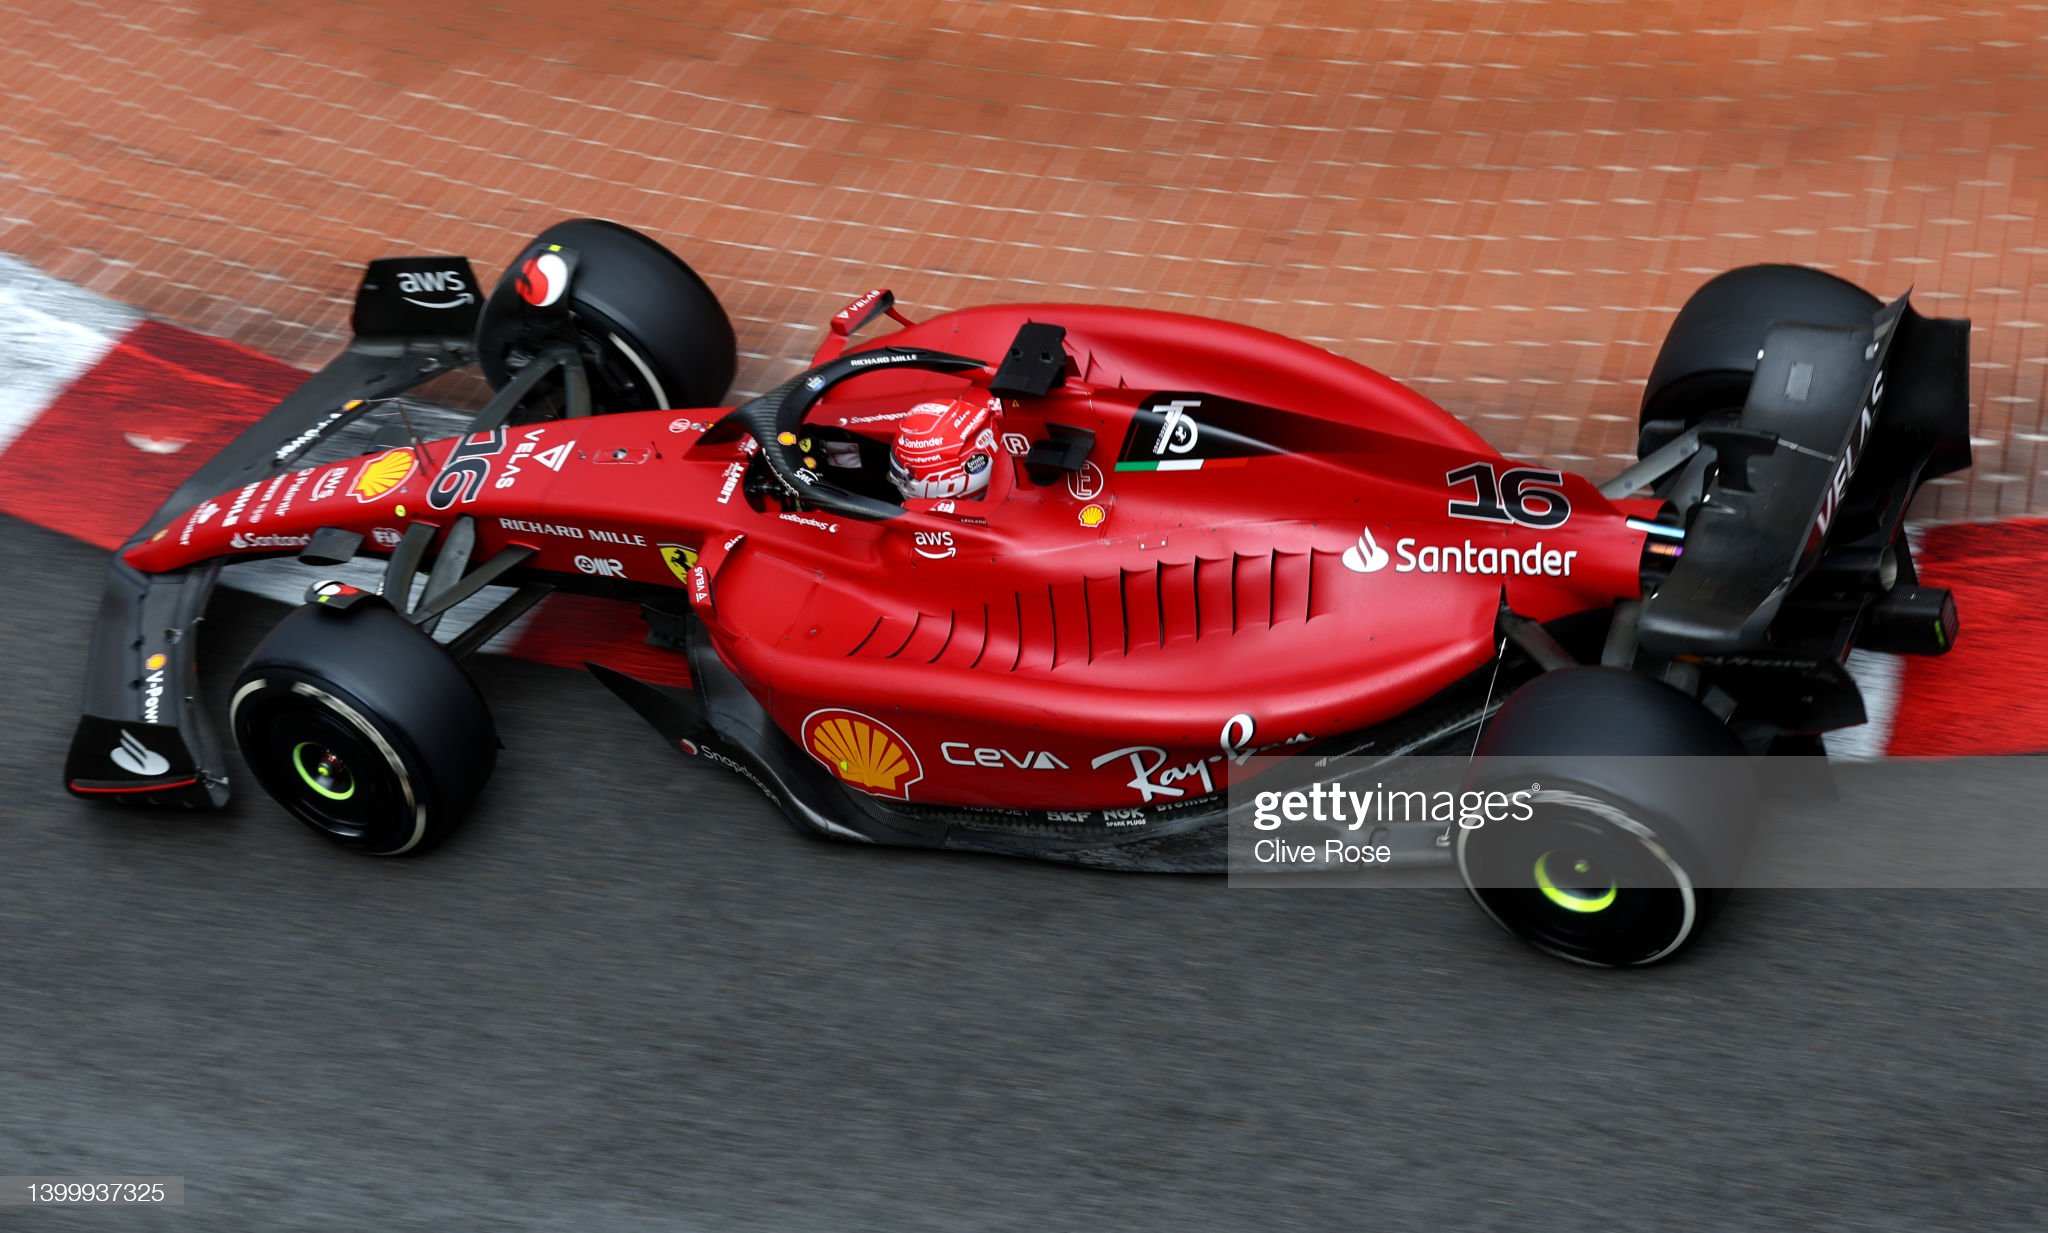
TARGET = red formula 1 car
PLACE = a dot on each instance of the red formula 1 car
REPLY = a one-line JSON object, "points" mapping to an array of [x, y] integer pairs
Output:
{"points": [[1190, 542]]}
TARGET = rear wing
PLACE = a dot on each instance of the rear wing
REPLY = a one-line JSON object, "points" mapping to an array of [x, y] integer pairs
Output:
{"points": [[1840, 429]]}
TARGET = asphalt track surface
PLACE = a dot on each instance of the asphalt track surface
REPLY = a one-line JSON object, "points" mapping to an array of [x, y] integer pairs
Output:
{"points": [[630, 997]]}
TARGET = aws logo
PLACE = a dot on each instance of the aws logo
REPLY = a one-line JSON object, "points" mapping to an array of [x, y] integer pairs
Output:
{"points": [[449, 285], [863, 751]]}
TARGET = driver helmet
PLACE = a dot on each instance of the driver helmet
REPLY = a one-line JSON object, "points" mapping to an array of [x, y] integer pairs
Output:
{"points": [[944, 449]]}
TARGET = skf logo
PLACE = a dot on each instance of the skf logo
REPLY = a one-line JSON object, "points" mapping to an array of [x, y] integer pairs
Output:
{"points": [[383, 474], [680, 560], [863, 751], [445, 283]]}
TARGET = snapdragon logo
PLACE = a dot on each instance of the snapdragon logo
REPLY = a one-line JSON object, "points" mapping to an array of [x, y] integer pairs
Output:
{"points": [[1412, 557]]}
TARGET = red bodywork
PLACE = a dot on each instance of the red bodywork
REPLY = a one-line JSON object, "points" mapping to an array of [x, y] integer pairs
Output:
{"points": [[1104, 641]]}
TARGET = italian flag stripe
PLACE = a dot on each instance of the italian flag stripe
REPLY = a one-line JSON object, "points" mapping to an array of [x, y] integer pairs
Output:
{"points": [[1181, 464]]}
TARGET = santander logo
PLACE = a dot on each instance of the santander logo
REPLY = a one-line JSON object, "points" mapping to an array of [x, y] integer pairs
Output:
{"points": [[1365, 556]]}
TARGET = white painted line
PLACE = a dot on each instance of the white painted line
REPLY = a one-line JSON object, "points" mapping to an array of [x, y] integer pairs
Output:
{"points": [[1878, 677], [51, 334]]}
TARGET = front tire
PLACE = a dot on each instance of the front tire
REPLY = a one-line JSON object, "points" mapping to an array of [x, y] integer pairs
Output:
{"points": [[652, 333], [363, 728], [1640, 816]]}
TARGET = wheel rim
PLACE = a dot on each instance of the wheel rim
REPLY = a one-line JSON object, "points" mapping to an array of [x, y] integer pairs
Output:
{"points": [[324, 771], [324, 766], [1575, 882], [1632, 902]]}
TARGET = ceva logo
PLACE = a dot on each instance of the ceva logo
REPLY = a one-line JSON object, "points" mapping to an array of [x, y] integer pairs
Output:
{"points": [[1365, 556]]}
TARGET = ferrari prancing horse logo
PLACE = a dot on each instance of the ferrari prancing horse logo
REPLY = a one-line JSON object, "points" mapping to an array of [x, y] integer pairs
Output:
{"points": [[679, 560]]}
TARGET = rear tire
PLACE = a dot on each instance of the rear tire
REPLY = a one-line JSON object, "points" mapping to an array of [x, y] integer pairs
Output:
{"points": [[1709, 355], [363, 728], [652, 333], [1643, 814]]}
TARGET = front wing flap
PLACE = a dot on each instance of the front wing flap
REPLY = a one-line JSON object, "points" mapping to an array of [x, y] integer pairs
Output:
{"points": [[145, 735]]}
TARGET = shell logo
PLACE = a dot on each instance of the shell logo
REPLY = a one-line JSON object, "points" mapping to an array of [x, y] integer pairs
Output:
{"points": [[863, 751], [1093, 515], [382, 474]]}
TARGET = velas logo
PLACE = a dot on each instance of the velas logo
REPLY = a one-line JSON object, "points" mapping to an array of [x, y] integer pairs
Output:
{"points": [[860, 305], [863, 751], [1365, 556], [1412, 557], [383, 474]]}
